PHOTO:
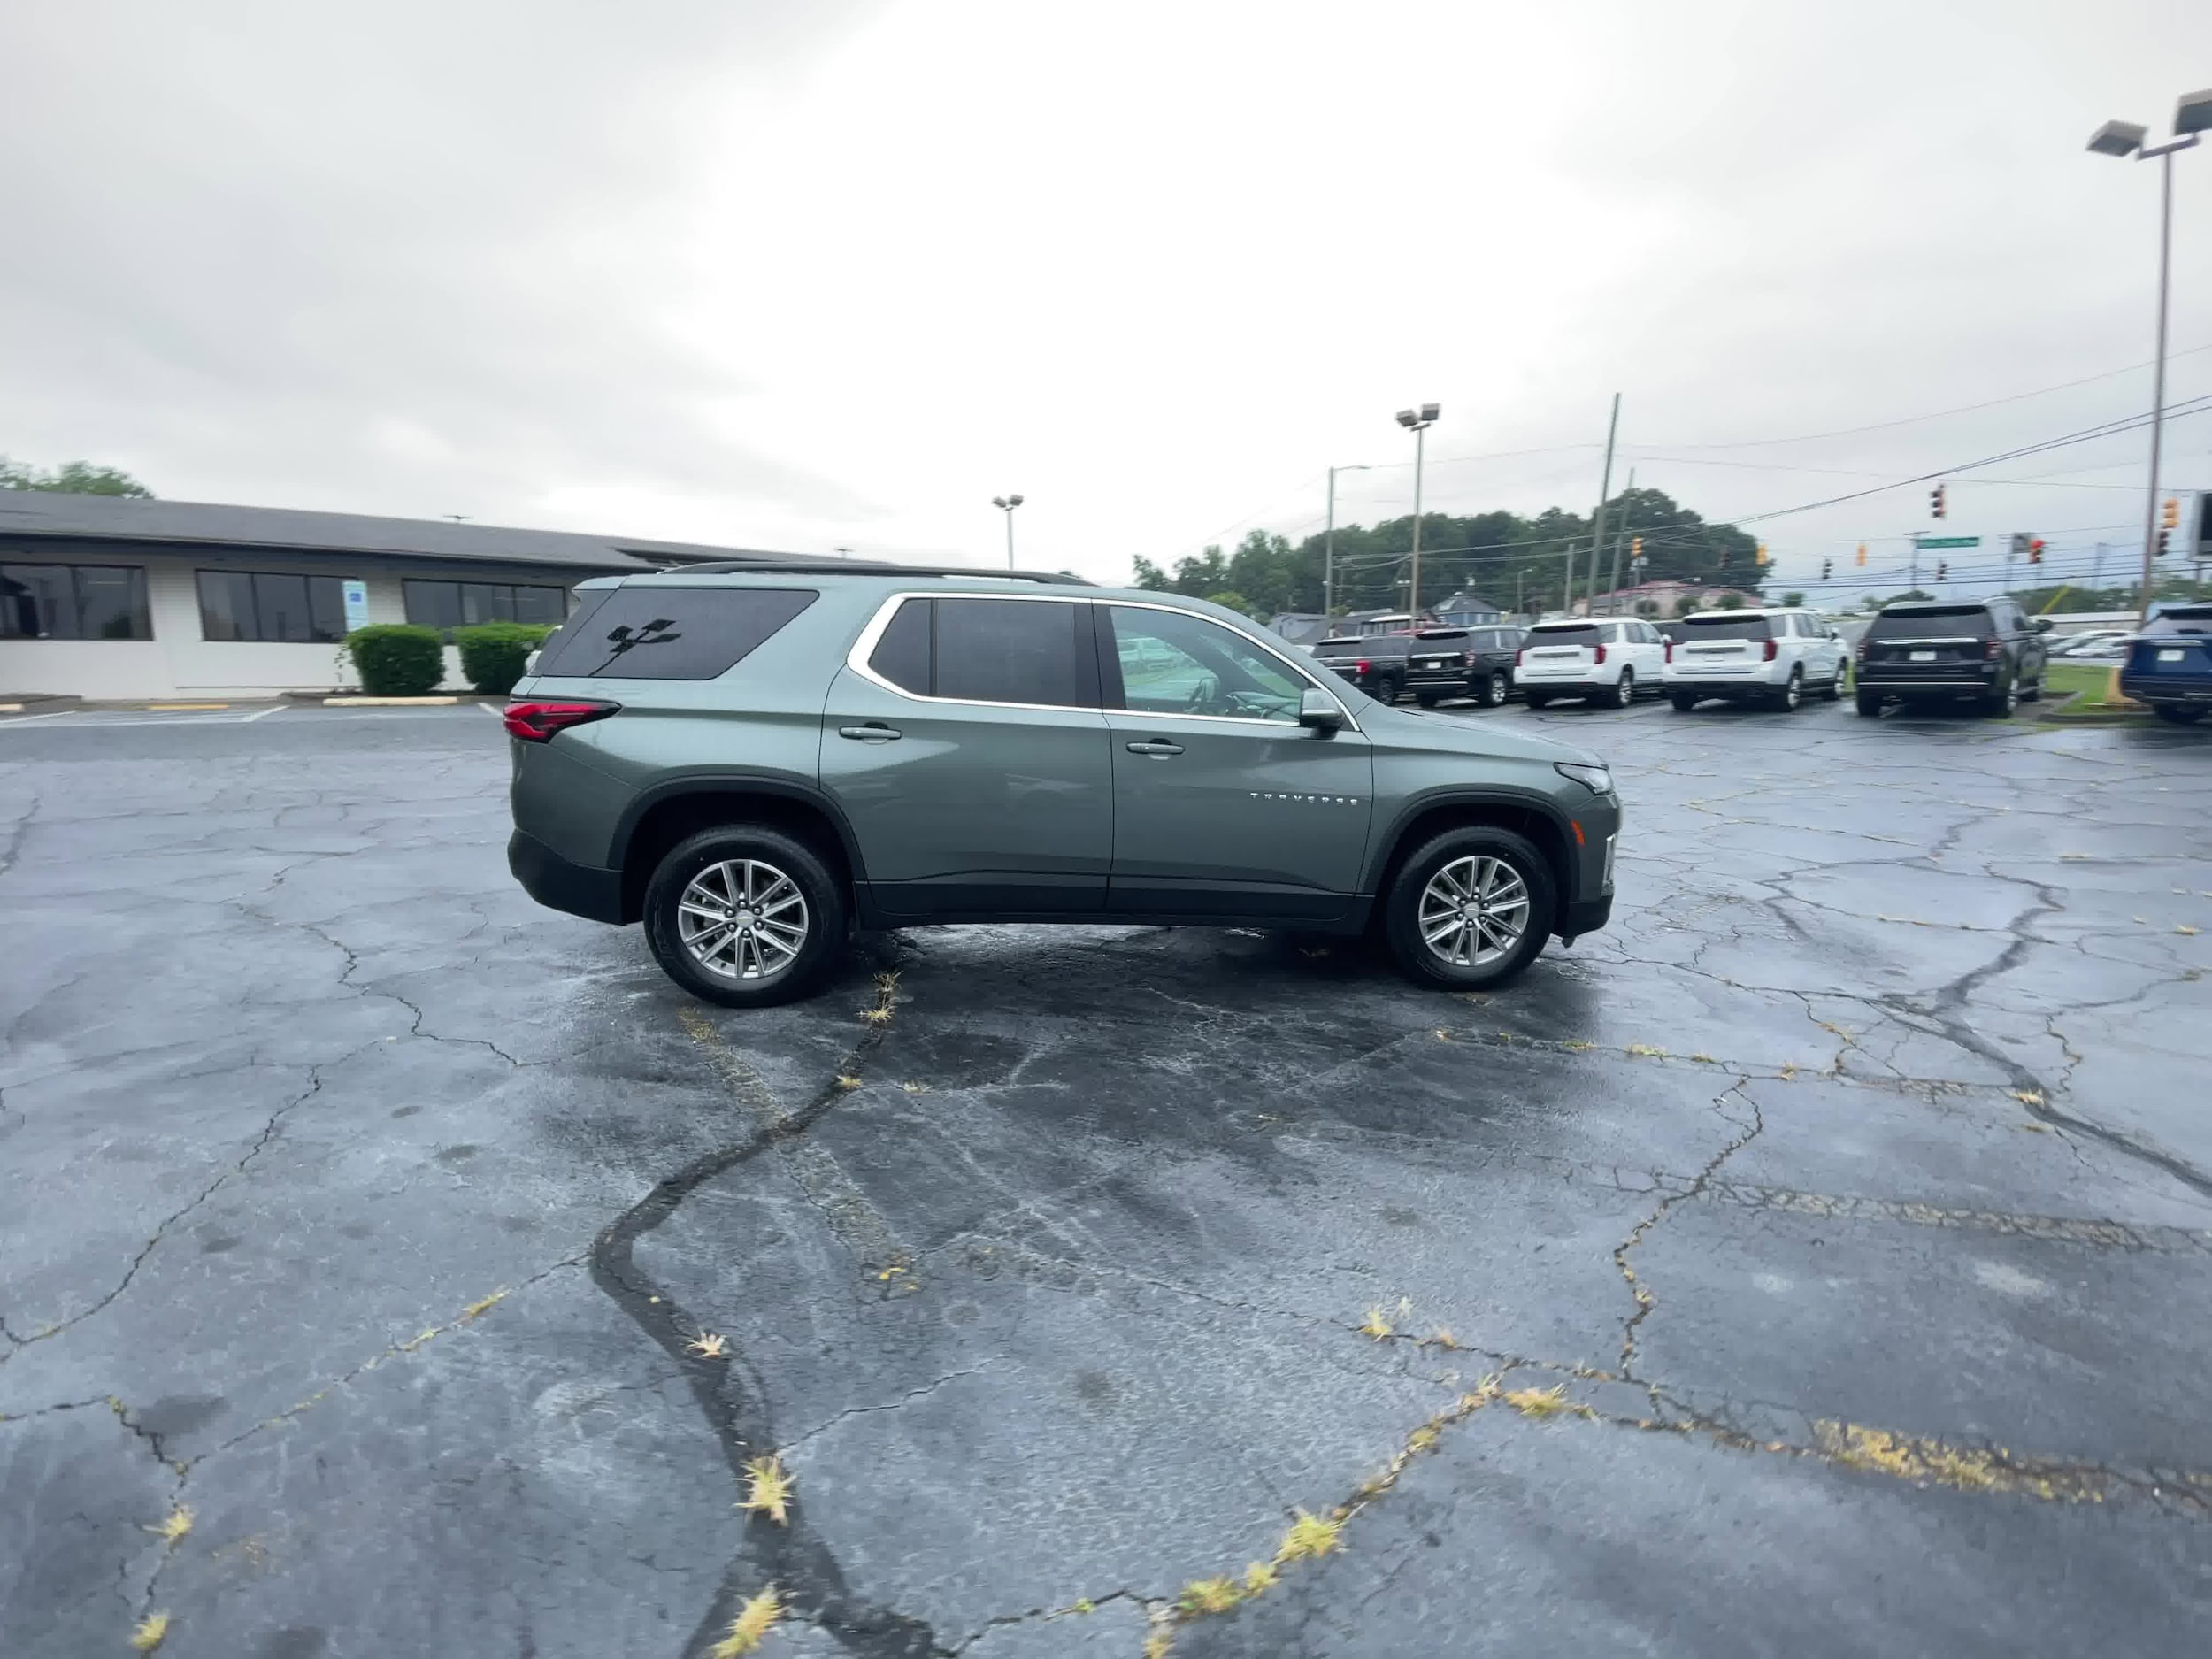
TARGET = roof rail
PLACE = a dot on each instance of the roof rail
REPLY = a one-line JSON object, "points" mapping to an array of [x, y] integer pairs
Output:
{"points": [[860, 567]]}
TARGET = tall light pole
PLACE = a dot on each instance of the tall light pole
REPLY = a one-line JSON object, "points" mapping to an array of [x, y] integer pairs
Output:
{"points": [[2192, 115], [1417, 422], [1328, 543], [1006, 504], [1597, 522]]}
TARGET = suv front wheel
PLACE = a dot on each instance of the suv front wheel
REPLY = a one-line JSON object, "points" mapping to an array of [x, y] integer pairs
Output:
{"points": [[744, 916], [1469, 909]]}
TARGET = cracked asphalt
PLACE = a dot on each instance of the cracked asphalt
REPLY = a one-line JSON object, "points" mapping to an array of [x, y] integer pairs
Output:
{"points": [[1816, 1261]]}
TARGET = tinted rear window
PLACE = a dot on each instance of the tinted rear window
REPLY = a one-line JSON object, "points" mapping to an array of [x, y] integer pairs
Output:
{"points": [[1563, 633], [1441, 633], [1015, 650], [1696, 628], [1932, 622], [669, 633], [2182, 619], [1339, 648]]}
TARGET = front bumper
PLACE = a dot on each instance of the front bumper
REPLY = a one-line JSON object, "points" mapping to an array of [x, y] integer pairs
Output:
{"points": [[559, 885]]}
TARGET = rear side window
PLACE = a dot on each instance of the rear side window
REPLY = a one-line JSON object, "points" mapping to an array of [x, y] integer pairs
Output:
{"points": [[1696, 628], [991, 650], [1328, 650], [669, 633], [1932, 622], [1565, 634]]}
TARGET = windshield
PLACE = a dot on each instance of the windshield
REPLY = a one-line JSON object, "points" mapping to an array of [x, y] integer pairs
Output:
{"points": [[2182, 619], [1932, 622], [1725, 627]]}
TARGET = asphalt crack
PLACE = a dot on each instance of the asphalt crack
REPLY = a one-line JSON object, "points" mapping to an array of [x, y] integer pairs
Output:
{"points": [[1645, 1301]]}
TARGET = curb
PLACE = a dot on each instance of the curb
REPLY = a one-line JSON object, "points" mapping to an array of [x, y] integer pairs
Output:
{"points": [[390, 703]]}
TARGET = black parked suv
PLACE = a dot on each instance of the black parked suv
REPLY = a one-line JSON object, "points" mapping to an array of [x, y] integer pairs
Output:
{"points": [[1986, 650], [1475, 663], [1379, 663]]}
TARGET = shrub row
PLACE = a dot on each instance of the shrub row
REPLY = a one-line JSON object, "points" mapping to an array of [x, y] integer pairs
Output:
{"points": [[402, 660]]}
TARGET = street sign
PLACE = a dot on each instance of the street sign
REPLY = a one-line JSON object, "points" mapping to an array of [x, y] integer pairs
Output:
{"points": [[357, 594], [1950, 541]]}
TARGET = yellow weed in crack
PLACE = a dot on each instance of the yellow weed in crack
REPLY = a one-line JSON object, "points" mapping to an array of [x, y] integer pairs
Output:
{"points": [[709, 1345], [750, 1627], [1258, 1575], [2028, 1096], [1967, 1468], [1310, 1538], [1542, 1403], [768, 1489], [484, 1304], [173, 1526], [150, 1632], [1203, 1596], [1645, 1051], [843, 1081], [1375, 1326]]}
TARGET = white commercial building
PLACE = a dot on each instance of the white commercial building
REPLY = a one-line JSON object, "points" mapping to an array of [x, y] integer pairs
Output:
{"points": [[111, 599]]}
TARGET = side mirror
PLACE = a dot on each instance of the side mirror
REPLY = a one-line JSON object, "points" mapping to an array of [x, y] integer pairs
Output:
{"points": [[2042, 624], [1320, 712]]}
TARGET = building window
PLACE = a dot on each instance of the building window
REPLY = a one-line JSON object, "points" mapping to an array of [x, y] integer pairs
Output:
{"points": [[74, 602], [451, 605], [265, 605]]}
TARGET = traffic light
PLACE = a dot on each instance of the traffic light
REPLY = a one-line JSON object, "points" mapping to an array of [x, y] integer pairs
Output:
{"points": [[1636, 546], [1724, 558], [1759, 554], [2035, 551], [1862, 554], [2170, 517], [1935, 501], [2163, 536], [1825, 566], [1943, 569]]}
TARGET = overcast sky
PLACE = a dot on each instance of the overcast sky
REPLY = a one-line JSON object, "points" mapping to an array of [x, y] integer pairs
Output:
{"points": [[821, 275]]}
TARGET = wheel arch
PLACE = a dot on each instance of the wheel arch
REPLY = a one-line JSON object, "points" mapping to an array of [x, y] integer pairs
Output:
{"points": [[674, 809], [1532, 816]]}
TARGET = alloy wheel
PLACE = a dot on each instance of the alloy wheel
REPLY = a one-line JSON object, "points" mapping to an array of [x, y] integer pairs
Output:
{"points": [[742, 919], [1474, 911], [1624, 689]]}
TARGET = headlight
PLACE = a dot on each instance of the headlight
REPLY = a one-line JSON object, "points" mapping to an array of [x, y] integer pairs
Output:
{"points": [[1596, 779]]}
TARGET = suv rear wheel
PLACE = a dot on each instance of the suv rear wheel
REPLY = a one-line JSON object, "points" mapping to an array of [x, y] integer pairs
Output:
{"points": [[744, 916], [1495, 689], [1793, 693], [1386, 689], [1470, 908], [1624, 689]]}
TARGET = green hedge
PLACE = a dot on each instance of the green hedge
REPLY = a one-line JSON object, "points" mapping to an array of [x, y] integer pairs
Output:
{"points": [[396, 659], [492, 653]]}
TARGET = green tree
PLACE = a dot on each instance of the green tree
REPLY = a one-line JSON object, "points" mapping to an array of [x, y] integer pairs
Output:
{"points": [[1792, 598], [1233, 602], [72, 477]]}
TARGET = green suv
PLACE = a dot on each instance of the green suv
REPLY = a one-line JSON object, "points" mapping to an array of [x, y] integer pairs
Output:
{"points": [[754, 760]]}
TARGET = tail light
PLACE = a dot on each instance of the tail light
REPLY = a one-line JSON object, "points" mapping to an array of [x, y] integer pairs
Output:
{"points": [[1992, 649], [1520, 656], [1359, 668], [1861, 648], [1597, 653], [536, 722], [1466, 659], [1670, 650], [1768, 654]]}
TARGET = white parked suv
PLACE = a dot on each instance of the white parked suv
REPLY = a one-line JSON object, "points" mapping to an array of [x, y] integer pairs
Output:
{"points": [[1775, 656], [1603, 662]]}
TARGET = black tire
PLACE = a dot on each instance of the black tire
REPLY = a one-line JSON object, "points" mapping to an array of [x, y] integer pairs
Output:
{"points": [[1427, 699], [1402, 908], [2178, 715], [1869, 704], [1495, 690], [1537, 699], [1387, 689], [1623, 689], [1834, 689], [2034, 692], [1999, 704], [824, 915], [1792, 696], [1683, 702]]}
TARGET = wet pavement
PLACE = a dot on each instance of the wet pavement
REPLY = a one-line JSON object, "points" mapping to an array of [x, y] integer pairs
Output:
{"points": [[1816, 1260]]}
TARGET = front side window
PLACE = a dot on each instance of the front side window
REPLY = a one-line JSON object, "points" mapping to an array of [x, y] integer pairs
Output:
{"points": [[1175, 664], [271, 606], [74, 602]]}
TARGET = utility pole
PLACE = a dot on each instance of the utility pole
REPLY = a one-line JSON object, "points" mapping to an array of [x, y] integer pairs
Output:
{"points": [[1620, 536], [1520, 603], [2158, 377], [1597, 520], [1328, 544], [1915, 559]]}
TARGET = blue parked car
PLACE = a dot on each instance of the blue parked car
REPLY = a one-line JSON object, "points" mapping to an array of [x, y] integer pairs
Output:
{"points": [[2170, 663]]}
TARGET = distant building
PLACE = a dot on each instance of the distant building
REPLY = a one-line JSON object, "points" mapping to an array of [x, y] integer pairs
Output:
{"points": [[1465, 610], [1364, 624], [1300, 627], [104, 597], [1657, 599]]}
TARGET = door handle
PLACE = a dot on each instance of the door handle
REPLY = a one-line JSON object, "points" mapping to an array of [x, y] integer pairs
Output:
{"points": [[874, 731], [1158, 747]]}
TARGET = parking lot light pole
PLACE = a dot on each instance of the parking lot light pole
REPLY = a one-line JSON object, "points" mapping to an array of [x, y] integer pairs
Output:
{"points": [[1006, 504], [1417, 422], [2192, 115], [1328, 543]]}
